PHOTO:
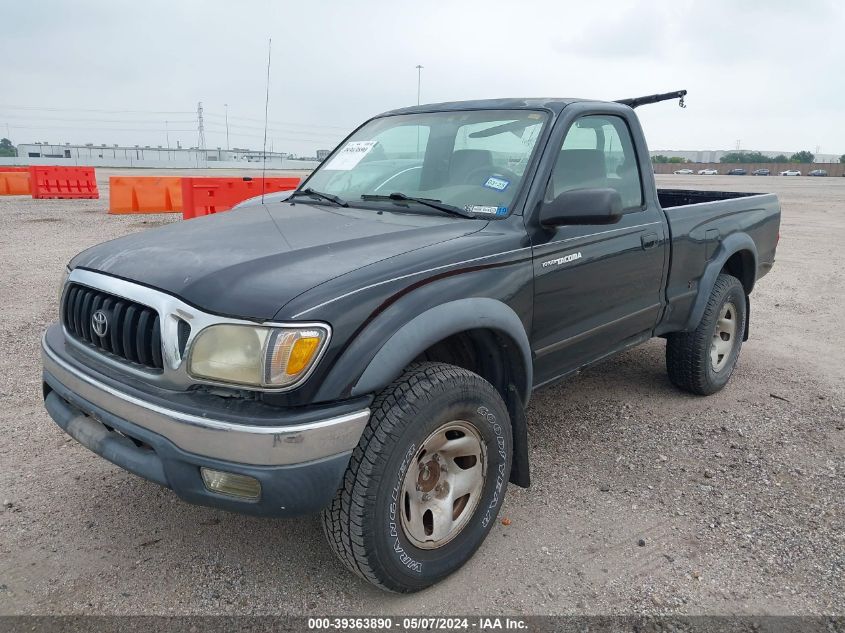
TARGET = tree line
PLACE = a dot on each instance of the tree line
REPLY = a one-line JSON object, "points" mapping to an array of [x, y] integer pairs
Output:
{"points": [[757, 157], [661, 159], [6, 148], [748, 157]]}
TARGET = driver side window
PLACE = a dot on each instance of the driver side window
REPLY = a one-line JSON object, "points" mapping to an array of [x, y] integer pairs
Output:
{"points": [[598, 152]]}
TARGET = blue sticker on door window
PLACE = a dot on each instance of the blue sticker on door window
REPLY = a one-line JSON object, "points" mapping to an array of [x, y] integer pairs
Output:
{"points": [[497, 184]]}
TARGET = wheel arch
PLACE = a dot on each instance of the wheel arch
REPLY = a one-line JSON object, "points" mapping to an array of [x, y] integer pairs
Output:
{"points": [[742, 265], [475, 320], [482, 335], [736, 255]]}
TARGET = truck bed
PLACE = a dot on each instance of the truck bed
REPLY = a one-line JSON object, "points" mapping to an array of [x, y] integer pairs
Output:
{"points": [[681, 197], [701, 225]]}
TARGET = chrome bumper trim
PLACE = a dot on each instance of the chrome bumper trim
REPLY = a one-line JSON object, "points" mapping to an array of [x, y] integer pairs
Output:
{"points": [[255, 445]]}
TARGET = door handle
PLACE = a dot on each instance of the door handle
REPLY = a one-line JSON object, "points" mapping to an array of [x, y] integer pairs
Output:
{"points": [[649, 240]]}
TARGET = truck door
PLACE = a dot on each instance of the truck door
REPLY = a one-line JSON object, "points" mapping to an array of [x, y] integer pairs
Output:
{"points": [[597, 288]]}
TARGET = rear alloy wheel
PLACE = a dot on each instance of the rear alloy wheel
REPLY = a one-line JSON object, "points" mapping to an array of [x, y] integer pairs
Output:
{"points": [[724, 337], [703, 360], [426, 481]]}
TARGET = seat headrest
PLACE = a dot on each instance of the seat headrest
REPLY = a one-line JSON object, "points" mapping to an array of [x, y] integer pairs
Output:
{"points": [[579, 169]]}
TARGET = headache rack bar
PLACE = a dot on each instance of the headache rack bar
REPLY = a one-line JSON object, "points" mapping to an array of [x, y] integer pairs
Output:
{"points": [[666, 96]]}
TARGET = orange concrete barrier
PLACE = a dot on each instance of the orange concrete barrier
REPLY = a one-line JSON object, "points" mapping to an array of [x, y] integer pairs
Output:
{"points": [[145, 194], [63, 182], [204, 196], [14, 183]]}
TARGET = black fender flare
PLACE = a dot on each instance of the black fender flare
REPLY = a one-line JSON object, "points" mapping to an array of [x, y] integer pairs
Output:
{"points": [[732, 244], [436, 324], [353, 374]]}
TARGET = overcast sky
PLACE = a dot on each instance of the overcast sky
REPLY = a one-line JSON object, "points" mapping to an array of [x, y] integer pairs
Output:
{"points": [[769, 74]]}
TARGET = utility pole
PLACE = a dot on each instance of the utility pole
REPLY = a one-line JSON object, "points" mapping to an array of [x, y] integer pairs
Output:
{"points": [[167, 134], [226, 106], [200, 133]]}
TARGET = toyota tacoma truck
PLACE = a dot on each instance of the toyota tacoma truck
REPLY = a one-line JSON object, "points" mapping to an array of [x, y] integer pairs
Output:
{"points": [[366, 348]]}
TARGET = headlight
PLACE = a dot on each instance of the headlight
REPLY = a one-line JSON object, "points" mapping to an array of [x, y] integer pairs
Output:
{"points": [[257, 356]]}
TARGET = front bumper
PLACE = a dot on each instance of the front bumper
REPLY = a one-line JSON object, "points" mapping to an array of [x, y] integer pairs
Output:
{"points": [[299, 464]]}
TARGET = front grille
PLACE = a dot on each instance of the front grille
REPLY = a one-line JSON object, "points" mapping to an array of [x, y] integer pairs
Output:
{"points": [[133, 332]]}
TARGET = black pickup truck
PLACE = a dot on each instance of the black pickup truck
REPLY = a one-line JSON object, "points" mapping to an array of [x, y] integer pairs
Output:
{"points": [[366, 348]]}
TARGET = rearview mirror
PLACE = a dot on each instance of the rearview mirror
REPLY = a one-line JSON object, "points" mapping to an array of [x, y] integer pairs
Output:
{"points": [[583, 206]]}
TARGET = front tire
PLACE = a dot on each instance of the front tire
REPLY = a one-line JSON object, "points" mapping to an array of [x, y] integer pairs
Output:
{"points": [[426, 481], [703, 360]]}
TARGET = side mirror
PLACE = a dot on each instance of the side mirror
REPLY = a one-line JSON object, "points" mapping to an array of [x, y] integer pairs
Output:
{"points": [[583, 206]]}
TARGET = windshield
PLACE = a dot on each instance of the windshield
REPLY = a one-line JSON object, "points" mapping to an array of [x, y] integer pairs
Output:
{"points": [[474, 160]]}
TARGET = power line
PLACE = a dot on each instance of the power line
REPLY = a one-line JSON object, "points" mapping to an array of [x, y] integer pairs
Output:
{"points": [[97, 120], [98, 129], [220, 127], [284, 123], [32, 118], [16, 107], [167, 129], [4, 106], [303, 136], [288, 139]]}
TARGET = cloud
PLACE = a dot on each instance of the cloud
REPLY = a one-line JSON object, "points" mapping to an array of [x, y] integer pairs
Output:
{"points": [[629, 33], [764, 73]]}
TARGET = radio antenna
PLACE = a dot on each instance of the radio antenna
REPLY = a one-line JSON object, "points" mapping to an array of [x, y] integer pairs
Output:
{"points": [[266, 107]]}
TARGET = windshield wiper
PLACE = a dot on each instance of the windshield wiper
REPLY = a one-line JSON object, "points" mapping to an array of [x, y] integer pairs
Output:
{"points": [[308, 191], [429, 202]]}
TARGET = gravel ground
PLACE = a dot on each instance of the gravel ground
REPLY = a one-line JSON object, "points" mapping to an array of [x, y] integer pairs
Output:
{"points": [[645, 500]]}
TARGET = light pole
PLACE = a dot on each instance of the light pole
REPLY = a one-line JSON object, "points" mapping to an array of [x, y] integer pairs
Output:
{"points": [[226, 106]]}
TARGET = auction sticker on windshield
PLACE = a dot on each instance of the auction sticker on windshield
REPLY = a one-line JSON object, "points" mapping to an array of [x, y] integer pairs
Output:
{"points": [[350, 155]]}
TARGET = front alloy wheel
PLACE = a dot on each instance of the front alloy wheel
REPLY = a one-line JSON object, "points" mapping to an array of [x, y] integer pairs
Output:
{"points": [[425, 484], [443, 485]]}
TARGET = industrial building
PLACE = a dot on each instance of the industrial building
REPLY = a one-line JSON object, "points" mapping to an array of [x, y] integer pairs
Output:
{"points": [[148, 156]]}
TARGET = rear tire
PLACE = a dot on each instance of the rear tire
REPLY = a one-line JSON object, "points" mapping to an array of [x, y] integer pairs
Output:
{"points": [[703, 360], [426, 481]]}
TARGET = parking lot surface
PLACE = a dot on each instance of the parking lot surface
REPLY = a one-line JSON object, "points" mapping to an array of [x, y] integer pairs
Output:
{"points": [[644, 499]]}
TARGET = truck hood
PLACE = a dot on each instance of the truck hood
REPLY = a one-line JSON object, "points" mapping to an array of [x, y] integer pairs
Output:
{"points": [[250, 262]]}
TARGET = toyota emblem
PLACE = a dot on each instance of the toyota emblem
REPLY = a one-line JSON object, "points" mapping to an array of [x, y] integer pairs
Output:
{"points": [[100, 323]]}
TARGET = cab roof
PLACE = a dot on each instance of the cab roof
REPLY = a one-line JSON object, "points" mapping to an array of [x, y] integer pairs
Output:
{"points": [[553, 104]]}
